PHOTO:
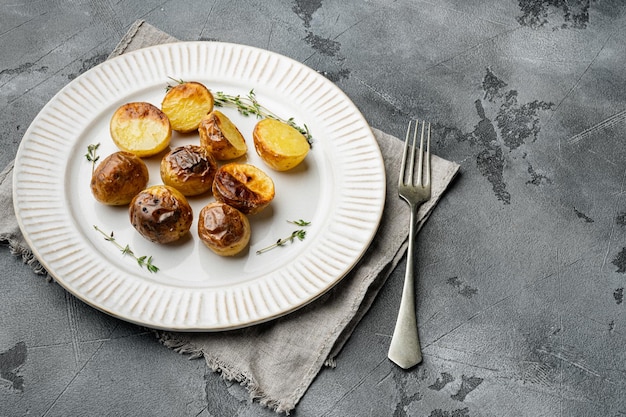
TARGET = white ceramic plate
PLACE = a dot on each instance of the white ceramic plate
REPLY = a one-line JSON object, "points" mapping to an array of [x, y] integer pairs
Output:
{"points": [[340, 189]]}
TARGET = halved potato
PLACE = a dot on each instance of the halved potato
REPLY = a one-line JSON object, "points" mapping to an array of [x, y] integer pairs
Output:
{"points": [[279, 145], [244, 187], [223, 229], [186, 104], [140, 128], [221, 137]]}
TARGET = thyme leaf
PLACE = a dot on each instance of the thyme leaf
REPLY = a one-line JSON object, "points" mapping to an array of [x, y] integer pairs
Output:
{"points": [[299, 234], [299, 222], [126, 250], [92, 155]]}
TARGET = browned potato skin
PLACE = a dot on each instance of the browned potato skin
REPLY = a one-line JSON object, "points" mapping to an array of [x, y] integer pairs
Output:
{"points": [[223, 229], [190, 169], [161, 214], [213, 136], [118, 178], [232, 185], [185, 104]]}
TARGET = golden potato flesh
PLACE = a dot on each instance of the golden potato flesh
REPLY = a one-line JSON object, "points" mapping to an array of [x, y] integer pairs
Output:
{"points": [[186, 104], [244, 187], [161, 214], [190, 169], [223, 229], [118, 178], [140, 128], [221, 137], [279, 145]]}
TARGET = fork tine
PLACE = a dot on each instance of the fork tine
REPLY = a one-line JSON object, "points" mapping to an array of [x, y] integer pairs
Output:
{"points": [[420, 163], [404, 155], [427, 180], [409, 180]]}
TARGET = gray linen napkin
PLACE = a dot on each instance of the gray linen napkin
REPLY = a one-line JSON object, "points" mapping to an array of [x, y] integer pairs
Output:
{"points": [[277, 361]]}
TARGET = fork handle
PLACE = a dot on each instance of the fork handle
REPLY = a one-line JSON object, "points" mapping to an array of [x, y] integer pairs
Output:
{"points": [[404, 349]]}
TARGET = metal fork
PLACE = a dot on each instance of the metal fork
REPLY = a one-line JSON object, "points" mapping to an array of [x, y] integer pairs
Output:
{"points": [[405, 349]]}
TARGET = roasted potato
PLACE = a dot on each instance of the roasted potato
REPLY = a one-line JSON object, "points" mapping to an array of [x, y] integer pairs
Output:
{"points": [[221, 137], [140, 128], [279, 145], [244, 187], [118, 178], [190, 169], [161, 214], [223, 229], [185, 104]]}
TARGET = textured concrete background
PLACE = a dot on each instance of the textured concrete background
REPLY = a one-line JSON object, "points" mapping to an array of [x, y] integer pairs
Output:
{"points": [[521, 267]]}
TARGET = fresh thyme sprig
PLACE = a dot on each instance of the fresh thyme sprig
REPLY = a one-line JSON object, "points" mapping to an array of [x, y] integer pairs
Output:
{"points": [[250, 105], [141, 260], [92, 155], [296, 234]]}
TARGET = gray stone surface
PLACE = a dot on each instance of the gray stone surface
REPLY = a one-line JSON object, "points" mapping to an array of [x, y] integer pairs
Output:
{"points": [[521, 267]]}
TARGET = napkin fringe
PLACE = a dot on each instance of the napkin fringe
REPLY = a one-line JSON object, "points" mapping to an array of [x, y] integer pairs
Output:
{"points": [[226, 371], [330, 362], [179, 346], [27, 256]]}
